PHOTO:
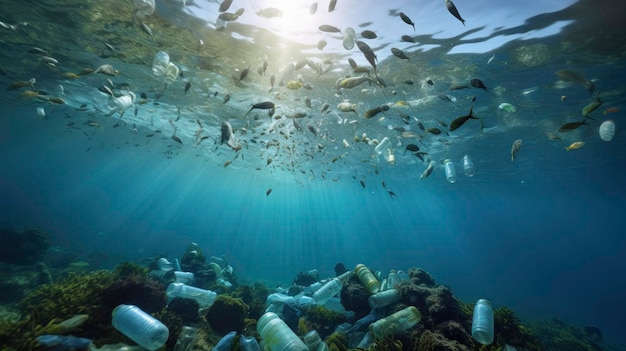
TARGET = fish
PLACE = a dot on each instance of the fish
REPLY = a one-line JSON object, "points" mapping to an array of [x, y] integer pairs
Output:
{"points": [[517, 144], [294, 84], [352, 63], [228, 17], [324, 108], [268, 192], [307, 102], [329, 29], [373, 112], [270, 12], [177, 139], [226, 98], [412, 148], [575, 145], [567, 127], [331, 5], [429, 82], [368, 53], [399, 53], [313, 8], [458, 87], [272, 81], [244, 73], [459, 121], [454, 11], [434, 131], [321, 44], [477, 83], [592, 106], [347, 107], [225, 5], [22, 84], [296, 124], [407, 20], [491, 58], [362, 182], [408, 39], [611, 110], [428, 170], [228, 136], [368, 34], [552, 136], [349, 83], [187, 86], [312, 129], [265, 105], [391, 193], [107, 69]]}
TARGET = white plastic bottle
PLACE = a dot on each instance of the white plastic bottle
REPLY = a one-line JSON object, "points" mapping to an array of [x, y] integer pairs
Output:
{"points": [[468, 166], [140, 327], [160, 62], [396, 322], [122, 103], [382, 145], [607, 130], [482, 322], [384, 298], [171, 73], [205, 298], [448, 166], [277, 336], [328, 290]]}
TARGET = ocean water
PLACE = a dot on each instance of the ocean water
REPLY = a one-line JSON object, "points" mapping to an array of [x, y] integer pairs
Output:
{"points": [[542, 235]]}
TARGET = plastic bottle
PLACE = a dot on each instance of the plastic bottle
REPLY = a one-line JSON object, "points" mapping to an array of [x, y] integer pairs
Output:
{"points": [[607, 130], [143, 8], [248, 343], [393, 279], [41, 112], [482, 322], [313, 341], [176, 264], [171, 73], [396, 322], [160, 62], [205, 298], [328, 290], [184, 277], [349, 38], [448, 166], [121, 104], [186, 339], [277, 336], [382, 145], [468, 166], [140, 327], [367, 278], [384, 298], [390, 157]]}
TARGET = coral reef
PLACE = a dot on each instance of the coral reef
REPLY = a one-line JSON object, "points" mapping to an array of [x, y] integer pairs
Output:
{"points": [[227, 314], [254, 296], [354, 297], [321, 319], [25, 247], [306, 278], [186, 309], [337, 342], [556, 335]]}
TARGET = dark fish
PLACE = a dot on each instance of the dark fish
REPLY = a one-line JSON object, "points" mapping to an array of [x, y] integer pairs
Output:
{"points": [[420, 125], [329, 29], [324, 108], [268, 192], [420, 155], [313, 8], [312, 129], [429, 82], [352, 63], [391, 193], [368, 53], [225, 5], [477, 83], [383, 184], [408, 82], [444, 97], [296, 124], [517, 144], [143, 95], [434, 131], [228, 137], [331, 5], [412, 148], [399, 53], [408, 39], [454, 11], [458, 87], [459, 121], [368, 34], [568, 127], [187, 87], [362, 181], [226, 98], [373, 112], [177, 139], [407, 20], [321, 44], [265, 105], [244, 73]]}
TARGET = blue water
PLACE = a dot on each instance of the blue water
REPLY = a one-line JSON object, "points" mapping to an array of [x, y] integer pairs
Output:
{"points": [[543, 235]]}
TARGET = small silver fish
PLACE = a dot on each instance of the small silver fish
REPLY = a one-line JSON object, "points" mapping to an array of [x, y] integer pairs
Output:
{"points": [[517, 144]]}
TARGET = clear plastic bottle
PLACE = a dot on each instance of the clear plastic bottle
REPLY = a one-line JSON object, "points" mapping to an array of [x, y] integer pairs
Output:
{"points": [[143, 8], [171, 73], [468, 166], [393, 279], [390, 157], [607, 130], [382, 145], [121, 104], [277, 336], [184, 277], [448, 166], [160, 62], [186, 339], [367, 278], [314, 342], [349, 38], [140, 327], [248, 343], [482, 322], [396, 322], [205, 298], [384, 298], [328, 290]]}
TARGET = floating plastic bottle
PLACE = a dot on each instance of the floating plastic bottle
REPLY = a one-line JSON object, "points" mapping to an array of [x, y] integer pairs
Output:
{"points": [[328, 290], [140, 327], [41, 112], [482, 322], [468, 166], [367, 278], [384, 298], [171, 73], [382, 145], [607, 130], [248, 343], [205, 298], [186, 339], [277, 336], [448, 166], [122, 103], [313, 341], [349, 38], [393, 279], [160, 62], [396, 323], [507, 107]]}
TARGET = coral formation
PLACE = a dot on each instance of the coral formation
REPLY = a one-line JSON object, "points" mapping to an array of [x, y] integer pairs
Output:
{"points": [[321, 319], [254, 296], [227, 314], [354, 297], [556, 335]]}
